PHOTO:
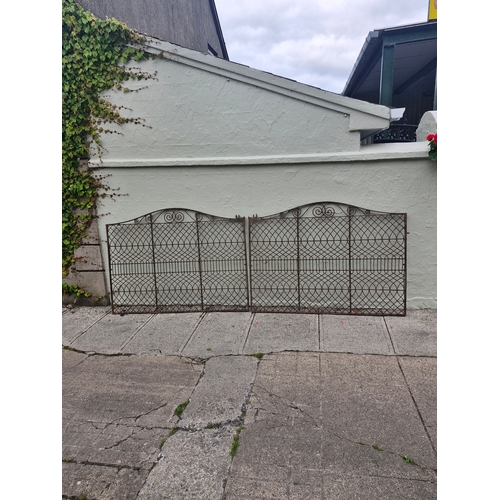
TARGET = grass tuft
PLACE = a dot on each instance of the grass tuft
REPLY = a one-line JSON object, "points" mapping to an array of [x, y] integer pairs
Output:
{"points": [[258, 355], [212, 426], [180, 409], [236, 442]]}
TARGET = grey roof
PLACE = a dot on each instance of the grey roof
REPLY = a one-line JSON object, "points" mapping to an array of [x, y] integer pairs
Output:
{"points": [[417, 52], [193, 24]]}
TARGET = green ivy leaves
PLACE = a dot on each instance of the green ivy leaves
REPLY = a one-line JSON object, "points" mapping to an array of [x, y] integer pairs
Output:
{"points": [[94, 52]]}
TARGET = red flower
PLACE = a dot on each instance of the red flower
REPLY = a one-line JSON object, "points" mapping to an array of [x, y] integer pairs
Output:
{"points": [[433, 138]]}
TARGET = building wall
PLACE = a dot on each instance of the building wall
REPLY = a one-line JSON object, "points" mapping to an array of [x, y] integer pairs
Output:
{"points": [[391, 185], [226, 140], [188, 23], [190, 112]]}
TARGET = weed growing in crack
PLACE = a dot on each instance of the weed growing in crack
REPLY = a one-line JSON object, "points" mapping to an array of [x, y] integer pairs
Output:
{"points": [[180, 409], [81, 496], [172, 431], [375, 447], [258, 355], [162, 442], [69, 460], [408, 460], [212, 426], [236, 442]]}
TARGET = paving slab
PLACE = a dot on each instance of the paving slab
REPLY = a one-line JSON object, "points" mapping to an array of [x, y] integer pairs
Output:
{"points": [[376, 488], [219, 334], [101, 482], [282, 332], [421, 376], [349, 437], [110, 333], [163, 334], [414, 334], [366, 398], [116, 412], [222, 393], [354, 334], [77, 320], [194, 465], [70, 359]]}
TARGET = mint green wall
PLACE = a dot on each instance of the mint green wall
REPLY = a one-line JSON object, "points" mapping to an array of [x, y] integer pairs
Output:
{"points": [[225, 139], [391, 185], [202, 107]]}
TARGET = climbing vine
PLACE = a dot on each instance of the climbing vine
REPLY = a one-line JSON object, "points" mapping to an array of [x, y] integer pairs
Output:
{"points": [[94, 54]]}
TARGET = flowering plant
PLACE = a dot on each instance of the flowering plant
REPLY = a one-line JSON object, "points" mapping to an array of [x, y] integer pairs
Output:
{"points": [[433, 148]]}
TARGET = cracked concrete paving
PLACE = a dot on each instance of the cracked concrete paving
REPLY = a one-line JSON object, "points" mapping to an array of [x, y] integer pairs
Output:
{"points": [[323, 426], [116, 412], [334, 421]]}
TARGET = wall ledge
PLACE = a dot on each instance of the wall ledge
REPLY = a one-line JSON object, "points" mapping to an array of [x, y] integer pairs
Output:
{"points": [[373, 152]]}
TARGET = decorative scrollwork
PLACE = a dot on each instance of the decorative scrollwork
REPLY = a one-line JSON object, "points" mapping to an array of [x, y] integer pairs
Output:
{"points": [[323, 211], [199, 217], [174, 216], [144, 219]]}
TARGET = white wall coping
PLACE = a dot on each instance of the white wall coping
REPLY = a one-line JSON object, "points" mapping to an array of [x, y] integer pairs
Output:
{"points": [[373, 152]]}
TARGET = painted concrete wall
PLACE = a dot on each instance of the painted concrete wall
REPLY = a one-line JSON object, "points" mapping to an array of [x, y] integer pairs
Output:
{"points": [[229, 140], [407, 185], [210, 109]]}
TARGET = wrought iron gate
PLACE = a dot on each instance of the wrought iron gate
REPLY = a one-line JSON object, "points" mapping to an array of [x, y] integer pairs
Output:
{"points": [[329, 258], [319, 258], [178, 260]]}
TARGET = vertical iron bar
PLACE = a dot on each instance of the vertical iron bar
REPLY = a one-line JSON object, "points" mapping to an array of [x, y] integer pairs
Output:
{"points": [[250, 269], [298, 262], [350, 266], [199, 260], [154, 265], [246, 225], [110, 273], [405, 263]]}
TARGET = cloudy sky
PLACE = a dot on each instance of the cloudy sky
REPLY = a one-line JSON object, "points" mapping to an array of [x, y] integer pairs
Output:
{"points": [[315, 42]]}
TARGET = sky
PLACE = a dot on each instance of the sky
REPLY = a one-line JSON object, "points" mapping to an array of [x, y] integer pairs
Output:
{"points": [[315, 42]]}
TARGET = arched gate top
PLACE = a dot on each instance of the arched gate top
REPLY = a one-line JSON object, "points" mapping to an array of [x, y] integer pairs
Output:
{"points": [[176, 215], [324, 209]]}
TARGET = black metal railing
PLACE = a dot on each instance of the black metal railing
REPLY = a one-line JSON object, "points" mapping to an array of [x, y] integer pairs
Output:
{"points": [[178, 260], [324, 257], [397, 133], [329, 258]]}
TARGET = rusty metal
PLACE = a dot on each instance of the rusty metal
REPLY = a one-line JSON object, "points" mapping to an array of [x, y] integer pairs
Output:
{"points": [[178, 260], [328, 258]]}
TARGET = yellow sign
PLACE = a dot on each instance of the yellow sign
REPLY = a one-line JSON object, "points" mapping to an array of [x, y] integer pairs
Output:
{"points": [[433, 10]]}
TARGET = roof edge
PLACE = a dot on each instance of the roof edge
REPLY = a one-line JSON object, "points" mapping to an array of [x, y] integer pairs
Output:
{"points": [[218, 28], [265, 80], [373, 43]]}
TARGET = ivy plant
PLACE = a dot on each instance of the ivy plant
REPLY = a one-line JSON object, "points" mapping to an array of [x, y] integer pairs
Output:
{"points": [[95, 54]]}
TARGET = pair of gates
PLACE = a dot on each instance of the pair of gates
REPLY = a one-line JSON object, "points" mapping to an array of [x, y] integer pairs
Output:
{"points": [[319, 258]]}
